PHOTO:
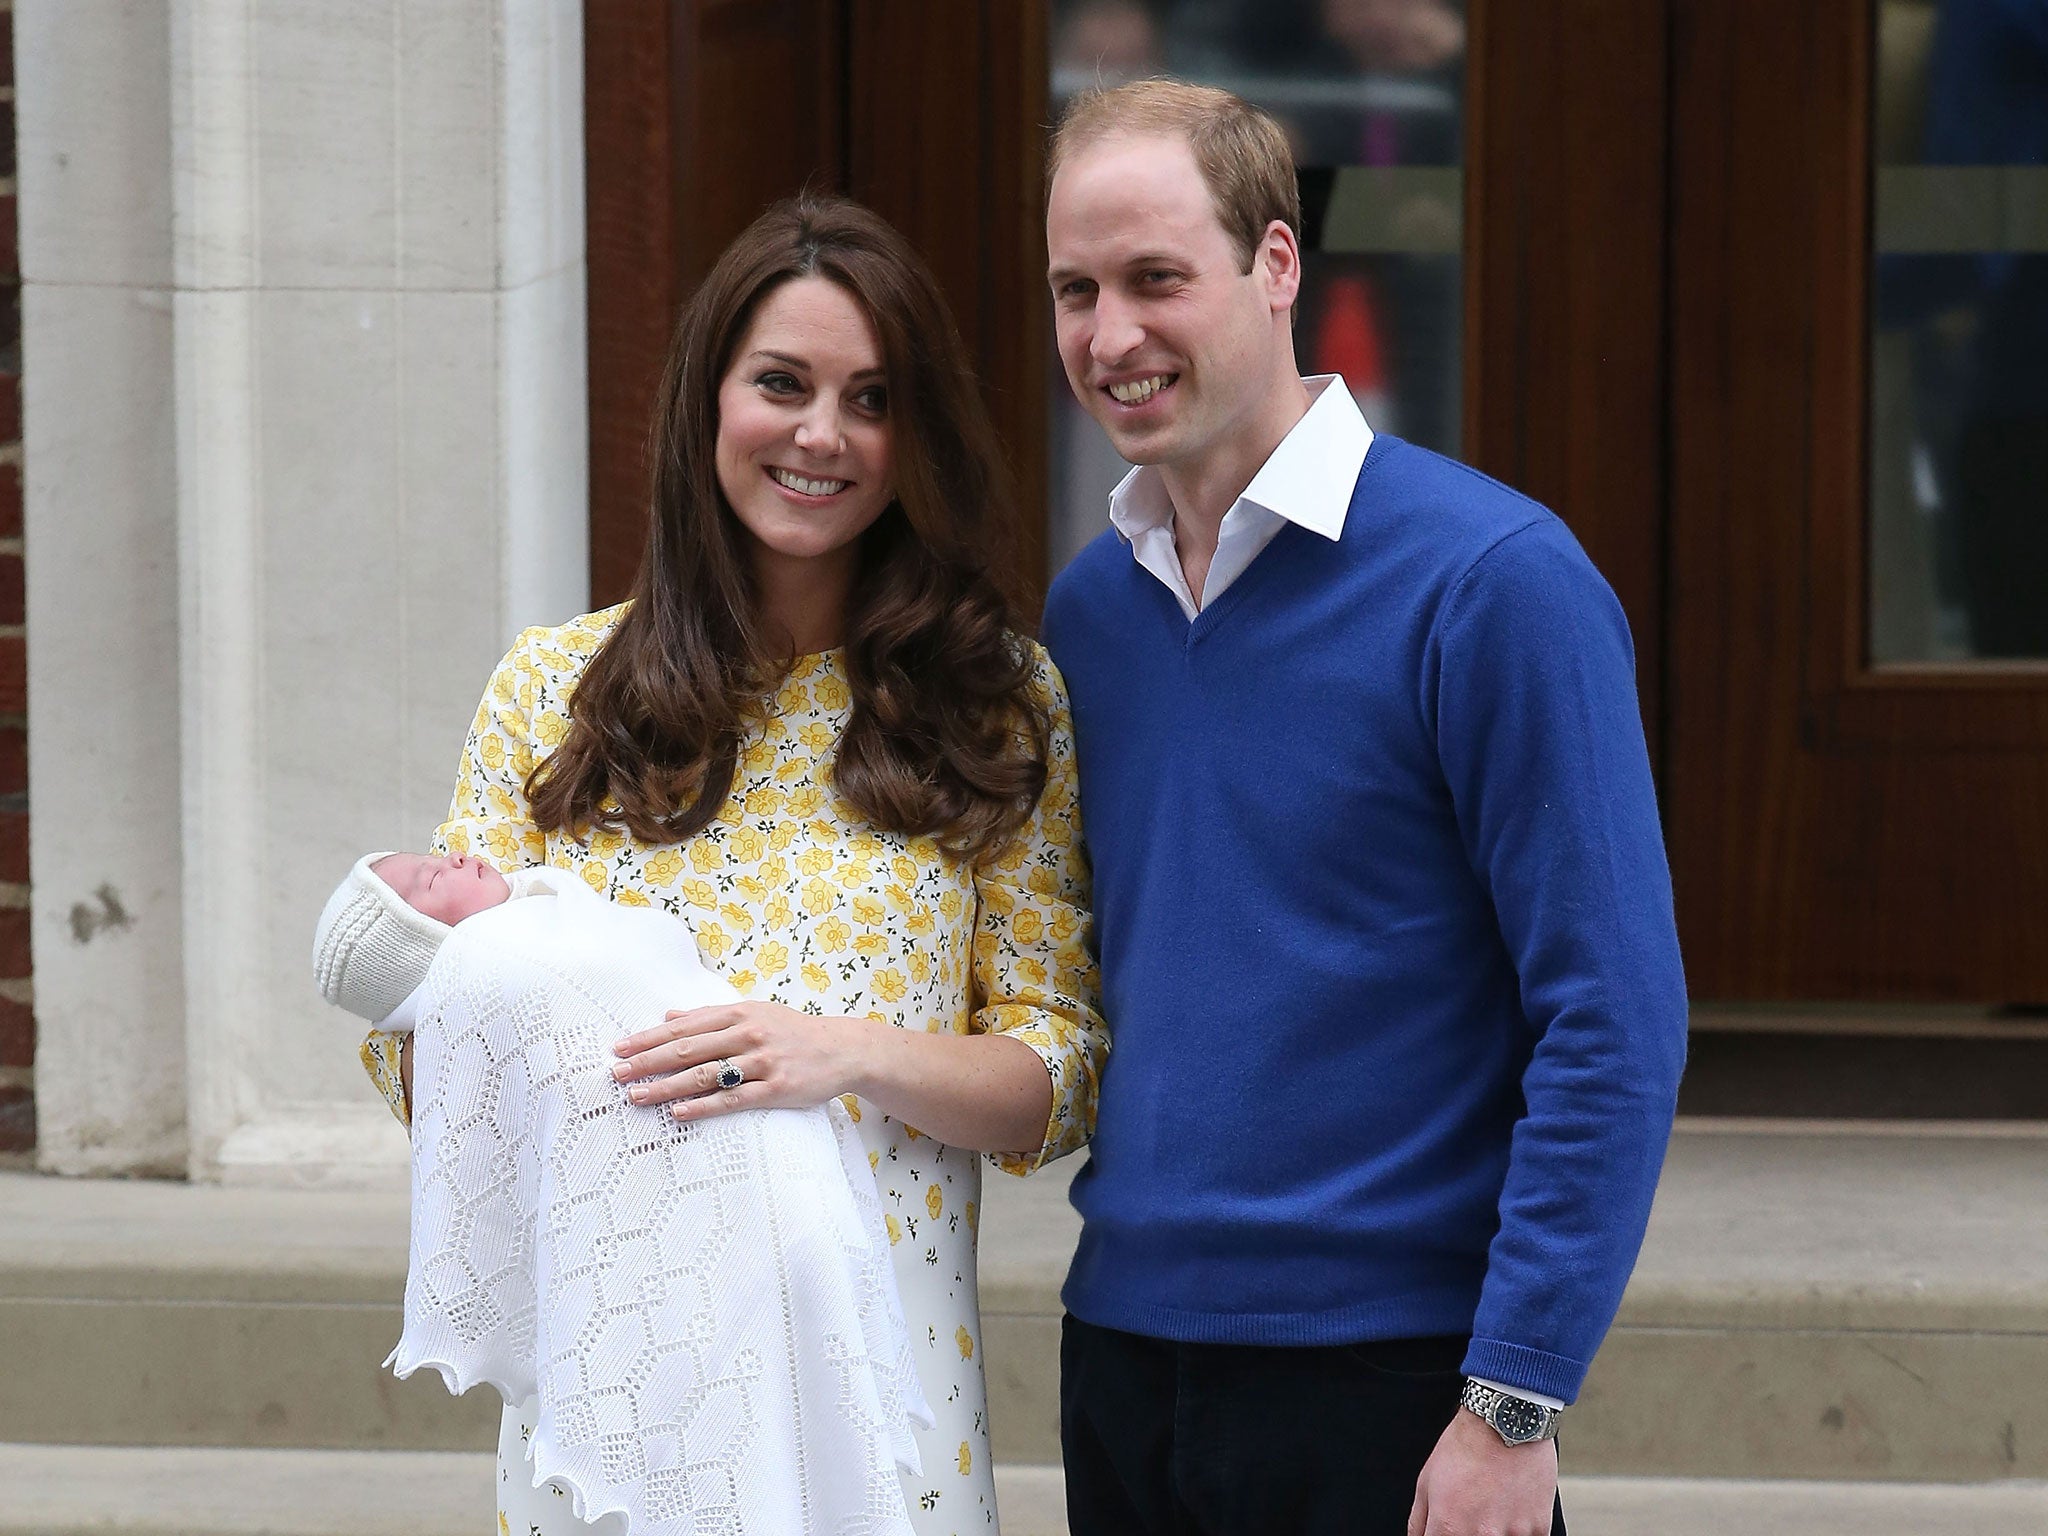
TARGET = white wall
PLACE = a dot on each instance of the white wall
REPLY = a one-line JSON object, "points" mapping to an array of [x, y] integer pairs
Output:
{"points": [[367, 473]]}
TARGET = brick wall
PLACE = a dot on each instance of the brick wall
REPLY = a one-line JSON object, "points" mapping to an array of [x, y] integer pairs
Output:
{"points": [[17, 1016]]}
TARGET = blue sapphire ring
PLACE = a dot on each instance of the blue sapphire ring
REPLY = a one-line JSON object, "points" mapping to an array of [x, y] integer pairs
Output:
{"points": [[729, 1073]]}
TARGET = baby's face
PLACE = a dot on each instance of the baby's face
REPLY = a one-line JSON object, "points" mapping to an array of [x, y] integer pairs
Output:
{"points": [[447, 889]]}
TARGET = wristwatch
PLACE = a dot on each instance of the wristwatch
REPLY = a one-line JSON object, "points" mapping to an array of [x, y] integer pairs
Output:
{"points": [[1515, 1419]]}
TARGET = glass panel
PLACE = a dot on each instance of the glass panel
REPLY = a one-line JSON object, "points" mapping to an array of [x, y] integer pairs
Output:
{"points": [[1372, 92], [1959, 332]]}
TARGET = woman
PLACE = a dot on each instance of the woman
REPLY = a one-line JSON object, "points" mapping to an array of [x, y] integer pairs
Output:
{"points": [[814, 732]]}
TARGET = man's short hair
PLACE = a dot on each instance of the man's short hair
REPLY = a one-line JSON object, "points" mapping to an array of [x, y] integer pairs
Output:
{"points": [[1243, 154]]}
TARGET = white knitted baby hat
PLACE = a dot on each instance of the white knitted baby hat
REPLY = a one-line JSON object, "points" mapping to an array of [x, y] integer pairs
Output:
{"points": [[370, 949]]}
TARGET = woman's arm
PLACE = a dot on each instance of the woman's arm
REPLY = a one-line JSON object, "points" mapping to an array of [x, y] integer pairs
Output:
{"points": [[984, 1092]]}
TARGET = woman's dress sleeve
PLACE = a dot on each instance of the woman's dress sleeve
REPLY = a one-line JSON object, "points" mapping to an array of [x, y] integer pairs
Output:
{"points": [[1035, 976]]}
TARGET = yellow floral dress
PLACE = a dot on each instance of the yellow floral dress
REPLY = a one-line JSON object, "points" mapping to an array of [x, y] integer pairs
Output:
{"points": [[796, 900]]}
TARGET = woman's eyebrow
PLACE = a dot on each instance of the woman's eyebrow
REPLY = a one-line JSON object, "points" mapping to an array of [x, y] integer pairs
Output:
{"points": [[789, 361]]}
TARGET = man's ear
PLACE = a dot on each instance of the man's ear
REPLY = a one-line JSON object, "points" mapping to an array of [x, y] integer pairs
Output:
{"points": [[1278, 263]]}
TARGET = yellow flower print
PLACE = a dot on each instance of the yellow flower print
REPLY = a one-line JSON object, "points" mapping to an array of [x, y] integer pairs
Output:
{"points": [[534, 845], [921, 919], [973, 1218], [729, 814], [748, 845], [833, 935], [920, 967], [795, 768], [550, 729], [758, 757], [804, 666], [606, 842], [793, 700], [1059, 832], [965, 1341], [895, 1229], [864, 845], [949, 906], [868, 910], [713, 940], [874, 1160], [751, 888], [997, 899], [873, 945], [823, 831], [852, 1107], [783, 835], [815, 976], [458, 840], [663, 867], [743, 981], [775, 871], [1027, 926], [501, 801], [985, 948], [595, 875], [698, 893], [491, 752], [966, 1460], [904, 871], [854, 875], [1032, 972], [818, 897], [628, 897], [503, 1528], [1064, 925], [934, 1201], [913, 1133], [738, 916], [503, 843], [522, 761], [807, 801], [813, 861], [1041, 881], [773, 958], [501, 690], [924, 849], [765, 801], [706, 857], [889, 985], [899, 898], [832, 693], [818, 737], [777, 913]]}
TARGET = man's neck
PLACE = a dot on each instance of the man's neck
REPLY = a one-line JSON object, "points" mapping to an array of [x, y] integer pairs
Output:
{"points": [[1203, 490]]}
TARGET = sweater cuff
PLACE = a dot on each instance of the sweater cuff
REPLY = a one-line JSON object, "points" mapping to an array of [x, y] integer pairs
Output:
{"points": [[1529, 1370]]}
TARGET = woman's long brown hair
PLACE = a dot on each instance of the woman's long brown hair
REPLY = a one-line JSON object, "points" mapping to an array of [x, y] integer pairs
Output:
{"points": [[947, 736]]}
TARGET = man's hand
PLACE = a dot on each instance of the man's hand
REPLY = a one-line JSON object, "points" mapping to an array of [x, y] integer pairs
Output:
{"points": [[1473, 1485]]}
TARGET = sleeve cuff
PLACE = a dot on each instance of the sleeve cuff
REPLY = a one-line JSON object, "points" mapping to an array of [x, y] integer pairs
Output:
{"points": [[1505, 1390], [1526, 1372]]}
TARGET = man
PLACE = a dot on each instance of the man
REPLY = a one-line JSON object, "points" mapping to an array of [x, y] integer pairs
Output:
{"points": [[1385, 919]]}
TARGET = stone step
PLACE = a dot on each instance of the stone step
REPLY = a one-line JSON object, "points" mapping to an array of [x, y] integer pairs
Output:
{"points": [[62, 1490], [1867, 1306]]}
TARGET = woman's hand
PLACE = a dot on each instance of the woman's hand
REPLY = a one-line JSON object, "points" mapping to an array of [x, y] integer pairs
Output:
{"points": [[790, 1060]]}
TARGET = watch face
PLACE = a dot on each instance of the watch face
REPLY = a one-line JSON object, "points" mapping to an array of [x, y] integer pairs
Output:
{"points": [[1517, 1420]]}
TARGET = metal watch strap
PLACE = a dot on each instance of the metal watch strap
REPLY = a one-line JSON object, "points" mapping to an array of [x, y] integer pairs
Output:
{"points": [[1515, 1419]]}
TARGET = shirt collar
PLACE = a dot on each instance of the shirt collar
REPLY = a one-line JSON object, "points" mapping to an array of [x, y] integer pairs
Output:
{"points": [[1308, 479]]}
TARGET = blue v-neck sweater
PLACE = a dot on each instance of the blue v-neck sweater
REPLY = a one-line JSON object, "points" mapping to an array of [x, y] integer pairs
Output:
{"points": [[1386, 934]]}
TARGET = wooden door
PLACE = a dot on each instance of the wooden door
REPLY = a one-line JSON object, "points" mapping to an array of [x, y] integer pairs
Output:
{"points": [[1839, 828]]}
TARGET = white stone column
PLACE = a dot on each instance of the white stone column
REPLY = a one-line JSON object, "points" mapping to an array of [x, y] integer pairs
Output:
{"points": [[380, 468]]}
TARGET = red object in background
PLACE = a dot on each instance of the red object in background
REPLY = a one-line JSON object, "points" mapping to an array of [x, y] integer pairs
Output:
{"points": [[1347, 338]]}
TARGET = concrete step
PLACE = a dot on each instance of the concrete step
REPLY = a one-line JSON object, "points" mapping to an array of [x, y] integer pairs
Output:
{"points": [[1867, 1306], [204, 1491]]}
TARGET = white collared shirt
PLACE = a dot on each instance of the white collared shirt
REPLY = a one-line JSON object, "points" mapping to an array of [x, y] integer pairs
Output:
{"points": [[1308, 480]]}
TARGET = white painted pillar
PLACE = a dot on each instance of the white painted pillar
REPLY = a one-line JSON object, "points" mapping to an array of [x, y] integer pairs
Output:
{"points": [[380, 435]]}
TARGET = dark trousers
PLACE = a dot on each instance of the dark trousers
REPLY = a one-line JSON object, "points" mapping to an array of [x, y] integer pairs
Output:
{"points": [[1165, 1439]]}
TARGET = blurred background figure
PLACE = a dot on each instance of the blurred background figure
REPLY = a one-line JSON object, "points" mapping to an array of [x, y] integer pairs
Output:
{"points": [[1371, 93]]}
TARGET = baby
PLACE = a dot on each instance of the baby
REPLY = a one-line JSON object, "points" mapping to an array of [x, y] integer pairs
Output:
{"points": [[702, 1318]]}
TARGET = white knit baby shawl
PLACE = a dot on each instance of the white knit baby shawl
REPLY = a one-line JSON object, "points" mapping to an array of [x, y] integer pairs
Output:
{"points": [[706, 1313]]}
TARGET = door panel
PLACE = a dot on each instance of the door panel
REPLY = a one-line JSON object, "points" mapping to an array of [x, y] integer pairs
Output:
{"points": [[1838, 829]]}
